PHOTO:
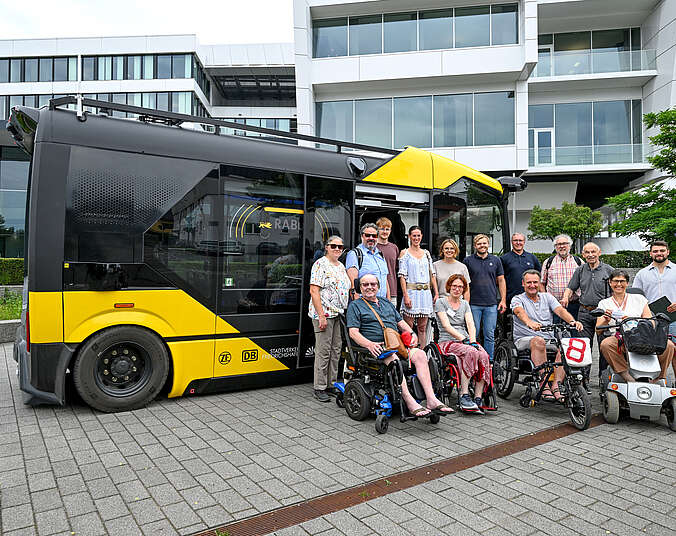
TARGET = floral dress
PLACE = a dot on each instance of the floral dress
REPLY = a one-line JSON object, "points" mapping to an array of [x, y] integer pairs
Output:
{"points": [[334, 287], [417, 271]]}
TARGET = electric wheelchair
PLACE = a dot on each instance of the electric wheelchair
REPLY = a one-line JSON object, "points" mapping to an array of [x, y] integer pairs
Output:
{"points": [[374, 388], [512, 366]]}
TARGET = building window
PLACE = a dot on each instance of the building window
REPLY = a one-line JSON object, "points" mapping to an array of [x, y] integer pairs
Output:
{"points": [[472, 26], [416, 30], [453, 120], [148, 67], [329, 38], [15, 70], [4, 71], [163, 67], [60, 69], [31, 70], [88, 68], [366, 35], [46, 66], [400, 32], [412, 121], [435, 29], [421, 121], [494, 118]]}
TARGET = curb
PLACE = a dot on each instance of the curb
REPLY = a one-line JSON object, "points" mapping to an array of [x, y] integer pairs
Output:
{"points": [[8, 330]]}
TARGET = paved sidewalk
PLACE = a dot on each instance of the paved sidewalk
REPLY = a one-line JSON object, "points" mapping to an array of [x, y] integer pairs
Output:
{"points": [[185, 465], [608, 480]]}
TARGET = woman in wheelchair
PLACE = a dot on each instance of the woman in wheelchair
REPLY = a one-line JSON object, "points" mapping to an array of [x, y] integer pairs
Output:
{"points": [[620, 305], [457, 335], [365, 330]]}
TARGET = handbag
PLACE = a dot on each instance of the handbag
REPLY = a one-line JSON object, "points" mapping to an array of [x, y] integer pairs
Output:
{"points": [[647, 337], [392, 338]]}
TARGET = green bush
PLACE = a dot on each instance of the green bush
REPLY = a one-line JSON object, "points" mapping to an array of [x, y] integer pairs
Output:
{"points": [[11, 271], [10, 306]]}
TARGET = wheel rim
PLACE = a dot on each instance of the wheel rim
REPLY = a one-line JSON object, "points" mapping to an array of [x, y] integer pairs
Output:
{"points": [[122, 369], [352, 402], [576, 408], [500, 368]]}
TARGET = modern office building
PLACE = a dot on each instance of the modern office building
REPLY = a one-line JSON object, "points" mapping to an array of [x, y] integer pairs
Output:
{"points": [[551, 89]]}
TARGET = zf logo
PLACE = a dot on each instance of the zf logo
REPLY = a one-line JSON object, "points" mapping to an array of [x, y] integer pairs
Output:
{"points": [[249, 355], [224, 358]]}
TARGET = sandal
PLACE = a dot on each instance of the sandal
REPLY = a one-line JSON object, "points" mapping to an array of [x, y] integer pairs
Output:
{"points": [[560, 399], [442, 409], [547, 395], [420, 412]]}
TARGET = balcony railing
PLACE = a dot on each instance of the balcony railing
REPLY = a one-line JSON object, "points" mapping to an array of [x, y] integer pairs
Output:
{"points": [[567, 63], [588, 155]]}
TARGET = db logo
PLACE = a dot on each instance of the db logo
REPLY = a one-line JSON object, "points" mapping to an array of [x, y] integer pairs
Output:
{"points": [[249, 355], [224, 358]]}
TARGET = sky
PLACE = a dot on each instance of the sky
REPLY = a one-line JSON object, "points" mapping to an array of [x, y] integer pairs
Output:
{"points": [[214, 22]]}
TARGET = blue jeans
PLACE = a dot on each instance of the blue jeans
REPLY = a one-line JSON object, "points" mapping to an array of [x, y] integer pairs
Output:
{"points": [[489, 315], [672, 331]]}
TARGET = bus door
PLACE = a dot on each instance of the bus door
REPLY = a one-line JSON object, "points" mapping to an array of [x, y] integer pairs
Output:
{"points": [[449, 220], [329, 211], [260, 276]]}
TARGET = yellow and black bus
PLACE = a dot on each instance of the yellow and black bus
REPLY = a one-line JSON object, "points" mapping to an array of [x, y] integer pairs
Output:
{"points": [[164, 259]]}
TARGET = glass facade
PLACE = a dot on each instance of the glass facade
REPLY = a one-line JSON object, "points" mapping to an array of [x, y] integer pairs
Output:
{"points": [[44, 69], [148, 67], [285, 125], [585, 133], [596, 51], [184, 102], [416, 30], [422, 121], [14, 164]]}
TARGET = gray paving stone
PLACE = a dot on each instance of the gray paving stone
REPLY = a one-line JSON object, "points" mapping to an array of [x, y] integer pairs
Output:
{"points": [[51, 522], [111, 508], [181, 515], [87, 525], [146, 511], [16, 517], [123, 525], [46, 500], [158, 528], [78, 504]]}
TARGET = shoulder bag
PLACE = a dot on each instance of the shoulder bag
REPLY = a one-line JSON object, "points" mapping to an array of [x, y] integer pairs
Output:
{"points": [[392, 338]]}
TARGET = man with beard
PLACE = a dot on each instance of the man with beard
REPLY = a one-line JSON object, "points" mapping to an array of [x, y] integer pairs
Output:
{"points": [[658, 279], [367, 259]]}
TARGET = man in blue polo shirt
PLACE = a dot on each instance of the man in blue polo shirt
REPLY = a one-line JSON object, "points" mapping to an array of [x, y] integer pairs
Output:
{"points": [[488, 277], [371, 262], [515, 263]]}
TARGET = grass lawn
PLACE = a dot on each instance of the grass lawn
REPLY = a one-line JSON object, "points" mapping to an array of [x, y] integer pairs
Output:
{"points": [[10, 306]]}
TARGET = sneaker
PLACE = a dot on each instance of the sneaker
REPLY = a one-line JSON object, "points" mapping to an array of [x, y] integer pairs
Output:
{"points": [[321, 396], [467, 404], [332, 391], [479, 404]]}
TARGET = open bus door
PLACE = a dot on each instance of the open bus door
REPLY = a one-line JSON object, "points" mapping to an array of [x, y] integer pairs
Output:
{"points": [[329, 210]]}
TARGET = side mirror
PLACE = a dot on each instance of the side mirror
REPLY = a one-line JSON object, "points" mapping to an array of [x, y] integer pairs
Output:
{"points": [[597, 313]]}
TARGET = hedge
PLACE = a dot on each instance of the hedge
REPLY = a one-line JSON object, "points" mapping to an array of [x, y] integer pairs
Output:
{"points": [[11, 271], [621, 259]]}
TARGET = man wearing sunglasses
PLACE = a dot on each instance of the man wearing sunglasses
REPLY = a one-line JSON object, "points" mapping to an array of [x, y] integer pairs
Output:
{"points": [[372, 262]]}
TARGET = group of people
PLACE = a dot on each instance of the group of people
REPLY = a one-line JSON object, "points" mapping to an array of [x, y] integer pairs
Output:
{"points": [[467, 296]]}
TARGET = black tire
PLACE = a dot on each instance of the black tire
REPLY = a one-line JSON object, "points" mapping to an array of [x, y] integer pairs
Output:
{"points": [[435, 418], [611, 407], [382, 423], [120, 369], [579, 407], [503, 370], [357, 401], [339, 401], [670, 410]]}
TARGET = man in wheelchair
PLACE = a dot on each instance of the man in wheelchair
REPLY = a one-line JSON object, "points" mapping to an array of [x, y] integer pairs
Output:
{"points": [[366, 331], [533, 309]]}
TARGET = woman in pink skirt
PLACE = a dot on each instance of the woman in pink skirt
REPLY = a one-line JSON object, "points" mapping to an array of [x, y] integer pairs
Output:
{"points": [[457, 335]]}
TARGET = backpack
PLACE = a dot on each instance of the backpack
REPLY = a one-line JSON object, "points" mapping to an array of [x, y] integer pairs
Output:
{"points": [[358, 252]]}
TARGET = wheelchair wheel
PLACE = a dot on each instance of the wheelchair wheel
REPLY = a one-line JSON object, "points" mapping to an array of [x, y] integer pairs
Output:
{"points": [[503, 369], [382, 423], [670, 410], [579, 407], [611, 407], [357, 401]]}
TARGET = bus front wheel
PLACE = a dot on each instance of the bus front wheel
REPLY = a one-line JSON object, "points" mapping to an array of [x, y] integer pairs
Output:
{"points": [[121, 368]]}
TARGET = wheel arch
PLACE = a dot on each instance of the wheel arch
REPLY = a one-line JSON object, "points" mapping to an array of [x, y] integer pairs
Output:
{"points": [[78, 348]]}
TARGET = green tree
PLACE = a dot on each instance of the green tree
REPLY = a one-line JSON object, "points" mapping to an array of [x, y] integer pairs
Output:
{"points": [[577, 221], [650, 212]]}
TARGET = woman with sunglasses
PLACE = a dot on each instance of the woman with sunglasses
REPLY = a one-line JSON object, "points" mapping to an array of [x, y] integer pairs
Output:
{"points": [[621, 305], [448, 264], [329, 293], [419, 283]]}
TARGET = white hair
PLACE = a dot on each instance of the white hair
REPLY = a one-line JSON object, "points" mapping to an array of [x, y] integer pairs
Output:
{"points": [[568, 238]]}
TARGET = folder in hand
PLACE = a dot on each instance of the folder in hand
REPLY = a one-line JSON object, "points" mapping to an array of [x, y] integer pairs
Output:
{"points": [[660, 306]]}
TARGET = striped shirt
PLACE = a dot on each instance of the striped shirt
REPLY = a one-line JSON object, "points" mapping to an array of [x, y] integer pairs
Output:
{"points": [[556, 279]]}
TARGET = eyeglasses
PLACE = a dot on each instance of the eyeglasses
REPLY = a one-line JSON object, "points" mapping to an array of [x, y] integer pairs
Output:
{"points": [[619, 281], [369, 284], [561, 244], [370, 235], [518, 240], [461, 287], [336, 246]]}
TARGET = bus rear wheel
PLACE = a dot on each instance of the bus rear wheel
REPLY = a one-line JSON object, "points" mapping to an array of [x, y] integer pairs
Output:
{"points": [[120, 369]]}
